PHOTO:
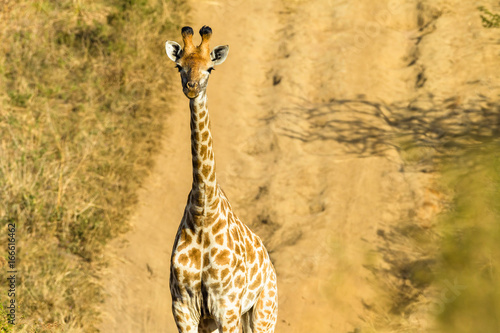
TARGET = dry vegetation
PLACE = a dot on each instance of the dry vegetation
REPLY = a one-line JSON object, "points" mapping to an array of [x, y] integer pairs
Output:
{"points": [[82, 99]]}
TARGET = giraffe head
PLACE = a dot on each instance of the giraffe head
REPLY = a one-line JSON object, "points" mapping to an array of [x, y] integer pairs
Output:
{"points": [[195, 63]]}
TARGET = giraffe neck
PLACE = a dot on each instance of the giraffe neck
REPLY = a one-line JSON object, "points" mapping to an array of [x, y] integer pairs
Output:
{"points": [[204, 190]]}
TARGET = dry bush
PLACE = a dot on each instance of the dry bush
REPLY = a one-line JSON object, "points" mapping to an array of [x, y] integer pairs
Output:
{"points": [[83, 94]]}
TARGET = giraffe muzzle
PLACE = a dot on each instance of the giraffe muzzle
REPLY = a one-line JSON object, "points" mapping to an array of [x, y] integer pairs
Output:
{"points": [[191, 89], [192, 85]]}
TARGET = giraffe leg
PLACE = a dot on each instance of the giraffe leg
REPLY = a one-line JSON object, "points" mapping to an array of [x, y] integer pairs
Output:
{"points": [[184, 321], [265, 311], [246, 321], [230, 322]]}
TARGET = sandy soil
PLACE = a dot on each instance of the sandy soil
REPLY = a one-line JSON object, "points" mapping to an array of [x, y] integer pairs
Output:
{"points": [[302, 152]]}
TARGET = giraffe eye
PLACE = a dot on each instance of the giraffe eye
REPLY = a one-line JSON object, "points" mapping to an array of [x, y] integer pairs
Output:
{"points": [[210, 70], [179, 68]]}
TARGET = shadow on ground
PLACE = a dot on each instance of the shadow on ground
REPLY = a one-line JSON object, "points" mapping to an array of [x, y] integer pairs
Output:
{"points": [[366, 128]]}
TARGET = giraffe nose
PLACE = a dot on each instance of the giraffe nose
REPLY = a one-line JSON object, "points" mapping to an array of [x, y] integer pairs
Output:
{"points": [[192, 84]]}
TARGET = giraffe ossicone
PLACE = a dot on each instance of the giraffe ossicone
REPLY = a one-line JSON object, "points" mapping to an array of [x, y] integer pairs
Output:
{"points": [[221, 276]]}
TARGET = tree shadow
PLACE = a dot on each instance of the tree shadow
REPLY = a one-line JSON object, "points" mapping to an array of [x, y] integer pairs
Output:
{"points": [[367, 128]]}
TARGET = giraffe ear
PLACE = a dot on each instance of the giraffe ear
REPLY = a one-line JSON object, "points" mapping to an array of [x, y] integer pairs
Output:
{"points": [[219, 54], [174, 50]]}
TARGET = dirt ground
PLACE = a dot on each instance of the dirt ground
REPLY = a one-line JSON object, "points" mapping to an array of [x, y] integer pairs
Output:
{"points": [[303, 149]]}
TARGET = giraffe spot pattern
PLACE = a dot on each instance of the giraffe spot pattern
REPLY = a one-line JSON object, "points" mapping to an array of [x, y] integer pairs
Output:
{"points": [[183, 260], [185, 241], [204, 135], [195, 257], [203, 151], [222, 258], [218, 226], [224, 273], [219, 239], [206, 170], [250, 252]]}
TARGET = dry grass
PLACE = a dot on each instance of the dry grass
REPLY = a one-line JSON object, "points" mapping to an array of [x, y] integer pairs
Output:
{"points": [[83, 97]]}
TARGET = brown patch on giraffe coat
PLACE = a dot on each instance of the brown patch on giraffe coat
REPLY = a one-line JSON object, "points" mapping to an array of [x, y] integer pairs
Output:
{"points": [[254, 270], [179, 319], [218, 226], [184, 240], [227, 285], [213, 273], [214, 204], [213, 252], [212, 177], [188, 277], [261, 256], [239, 265], [270, 285], [211, 192], [256, 283], [199, 238], [223, 258], [232, 319], [238, 249], [250, 295], [256, 242], [183, 259], [195, 257], [236, 235], [230, 243], [239, 281], [219, 239], [206, 241], [202, 114], [215, 286], [204, 135], [201, 125], [250, 252], [224, 273], [203, 151], [206, 170]]}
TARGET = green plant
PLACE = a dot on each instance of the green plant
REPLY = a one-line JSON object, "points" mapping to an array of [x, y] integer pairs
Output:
{"points": [[5, 326], [489, 19]]}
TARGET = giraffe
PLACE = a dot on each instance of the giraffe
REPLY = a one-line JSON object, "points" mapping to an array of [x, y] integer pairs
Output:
{"points": [[221, 276]]}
